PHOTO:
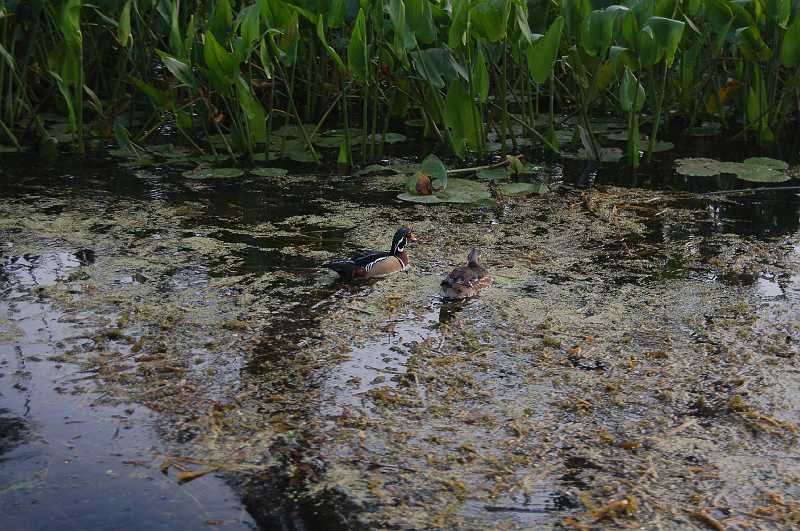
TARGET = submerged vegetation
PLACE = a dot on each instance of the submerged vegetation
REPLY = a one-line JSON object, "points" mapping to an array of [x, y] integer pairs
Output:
{"points": [[310, 80]]}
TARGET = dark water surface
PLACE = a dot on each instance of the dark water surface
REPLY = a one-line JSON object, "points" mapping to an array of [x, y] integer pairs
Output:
{"points": [[68, 461]]}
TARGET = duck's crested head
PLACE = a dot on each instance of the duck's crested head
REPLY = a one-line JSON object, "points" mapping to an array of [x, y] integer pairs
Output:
{"points": [[401, 238], [472, 257]]}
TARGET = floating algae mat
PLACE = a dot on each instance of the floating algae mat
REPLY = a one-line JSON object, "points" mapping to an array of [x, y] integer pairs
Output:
{"points": [[633, 363]]}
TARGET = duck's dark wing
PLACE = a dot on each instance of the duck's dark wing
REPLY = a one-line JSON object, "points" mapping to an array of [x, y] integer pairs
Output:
{"points": [[363, 257], [350, 268]]}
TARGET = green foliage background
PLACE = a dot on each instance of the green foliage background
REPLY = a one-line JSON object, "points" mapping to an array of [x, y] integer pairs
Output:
{"points": [[238, 70]]}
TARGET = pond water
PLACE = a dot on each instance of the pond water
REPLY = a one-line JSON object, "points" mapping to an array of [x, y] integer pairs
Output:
{"points": [[152, 326]]}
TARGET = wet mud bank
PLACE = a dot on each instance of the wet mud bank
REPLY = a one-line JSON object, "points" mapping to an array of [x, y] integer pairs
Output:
{"points": [[634, 362]]}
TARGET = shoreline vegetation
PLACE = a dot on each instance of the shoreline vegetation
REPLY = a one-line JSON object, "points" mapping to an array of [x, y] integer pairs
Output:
{"points": [[324, 81]]}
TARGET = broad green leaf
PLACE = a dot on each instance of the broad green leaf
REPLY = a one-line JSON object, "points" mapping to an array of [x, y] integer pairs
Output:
{"points": [[221, 64], [460, 118], [667, 33], [357, 56], [213, 173], [649, 51], [751, 44], [597, 32], [124, 25], [481, 77], [328, 47], [403, 37], [459, 25], [435, 169], [489, 19], [510, 189], [458, 191], [253, 110], [631, 93], [521, 17], [575, 13], [268, 172], [436, 66], [493, 174], [420, 19], [179, 69], [221, 21], [766, 162], [543, 53], [778, 11], [790, 49], [250, 27], [161, 99]]}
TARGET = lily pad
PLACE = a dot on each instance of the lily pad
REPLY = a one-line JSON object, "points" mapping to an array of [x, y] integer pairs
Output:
{"points": [[213, 173], [773, 171], [269, 172], [389, 138], [524, 188], [458, 191], [415, 122], [7, 149], [697, 167], [766, 162], [606, 155], [762, 174], [293, 131], [705, 129], [493, 173], [376, 169], [622, 136]]}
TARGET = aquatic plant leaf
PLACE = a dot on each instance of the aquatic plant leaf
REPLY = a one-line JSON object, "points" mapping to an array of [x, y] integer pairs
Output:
{"points": [[328, 48], [213, 173], [7, 149], [376, 169], [766, 162], [458, 191], [420, 19], [542, 54], [493, 173], [705, 129], [761, 174], [606, 155], [751, 44], [460, 117], [790, 49], [598, 30], [437, 66], [124, 36], [697, 167], [459, 24], [389, 138], [268, 172], [489, 19], [480, 75], [631, 92], [667, 33], [435, 168], [357, 60], [179, 69], [523, 188]]}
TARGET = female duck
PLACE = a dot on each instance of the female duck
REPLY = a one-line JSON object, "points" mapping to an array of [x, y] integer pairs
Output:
{"points": [[466, 281], [368, 264]]}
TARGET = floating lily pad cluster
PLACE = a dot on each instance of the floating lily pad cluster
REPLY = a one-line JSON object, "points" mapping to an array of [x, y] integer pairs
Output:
{"points": [[755, 170], [431, 184]]}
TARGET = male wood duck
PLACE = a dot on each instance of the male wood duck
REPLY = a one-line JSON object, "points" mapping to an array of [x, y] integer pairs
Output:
{"points": [[368, 264], [466, 281]]}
